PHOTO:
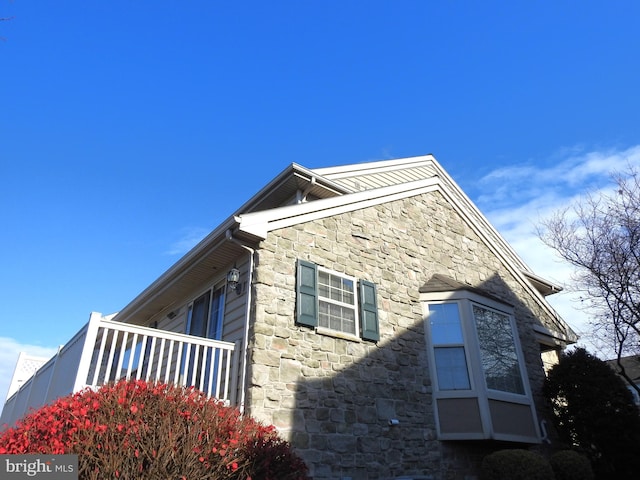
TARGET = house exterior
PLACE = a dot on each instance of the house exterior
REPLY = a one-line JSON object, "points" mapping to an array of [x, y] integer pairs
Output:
{"points": [[369, 311], [631, 366]]}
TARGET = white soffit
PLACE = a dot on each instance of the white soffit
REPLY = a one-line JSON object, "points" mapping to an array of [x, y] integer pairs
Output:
{"points": [[367, 176]]}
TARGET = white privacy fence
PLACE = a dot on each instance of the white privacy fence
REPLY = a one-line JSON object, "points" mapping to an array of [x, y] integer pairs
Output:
{"points": [[105, 351]]}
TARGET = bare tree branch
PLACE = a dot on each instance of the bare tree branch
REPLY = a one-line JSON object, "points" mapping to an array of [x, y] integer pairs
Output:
{"points": [[600, 237]]}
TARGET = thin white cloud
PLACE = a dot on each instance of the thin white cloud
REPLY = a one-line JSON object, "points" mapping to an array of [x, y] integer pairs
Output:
{"points": [[188, 239], [517, 200], [566, 171], [9, 351]]}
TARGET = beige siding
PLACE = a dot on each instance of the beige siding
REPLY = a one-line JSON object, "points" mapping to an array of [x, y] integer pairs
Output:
{"points": [[234, 315], [236, 306], [177, 324], [234, 318]]}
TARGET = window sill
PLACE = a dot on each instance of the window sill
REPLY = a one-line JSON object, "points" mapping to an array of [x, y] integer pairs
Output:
{"points": [[337, 334]]}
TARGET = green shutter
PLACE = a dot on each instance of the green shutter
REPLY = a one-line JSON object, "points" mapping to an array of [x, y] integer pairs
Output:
{"points": [[369, 311], [307, 296]]}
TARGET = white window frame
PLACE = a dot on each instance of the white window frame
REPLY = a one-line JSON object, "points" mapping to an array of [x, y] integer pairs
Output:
{"points": [[461, 344], [465, 299], [355, 307]]}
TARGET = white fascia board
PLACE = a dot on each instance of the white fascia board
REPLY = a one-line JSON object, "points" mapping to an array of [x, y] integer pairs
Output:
{"points": [[260, 224]]}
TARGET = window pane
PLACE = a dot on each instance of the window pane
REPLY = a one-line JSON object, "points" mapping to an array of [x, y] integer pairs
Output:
{"points": [[337, 317], [498, 351], [323, 284], [347, 296], [197, 319], [336, 288], [214, 329], [451, 368], [445, 324]]}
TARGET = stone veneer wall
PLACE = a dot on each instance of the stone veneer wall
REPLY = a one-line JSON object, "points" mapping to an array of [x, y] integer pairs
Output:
{"points": [[332, 398]]}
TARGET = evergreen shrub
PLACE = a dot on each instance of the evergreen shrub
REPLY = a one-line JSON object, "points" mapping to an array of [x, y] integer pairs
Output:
{"points": [[595, 414], [571, 465], [516, 464]]}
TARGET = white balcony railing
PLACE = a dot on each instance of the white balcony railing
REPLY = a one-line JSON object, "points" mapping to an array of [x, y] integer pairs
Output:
{"points": [[104, 351]]}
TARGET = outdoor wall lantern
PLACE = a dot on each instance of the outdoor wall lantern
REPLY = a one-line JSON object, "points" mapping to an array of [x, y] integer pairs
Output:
{"points": [[233, 280]]}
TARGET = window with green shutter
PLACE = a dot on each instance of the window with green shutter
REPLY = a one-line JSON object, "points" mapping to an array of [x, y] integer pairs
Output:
{"points": [[336, 302]]}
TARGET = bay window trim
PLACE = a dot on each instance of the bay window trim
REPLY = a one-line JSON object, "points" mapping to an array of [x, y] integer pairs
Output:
{"points": [[489, 401]]}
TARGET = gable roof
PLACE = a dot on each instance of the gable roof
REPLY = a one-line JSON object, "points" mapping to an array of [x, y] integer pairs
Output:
{"points": [[299, 194]]}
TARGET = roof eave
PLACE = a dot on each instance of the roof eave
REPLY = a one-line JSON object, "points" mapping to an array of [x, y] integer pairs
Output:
{"points": [[177, 270], [218, 237], [544, 286]]}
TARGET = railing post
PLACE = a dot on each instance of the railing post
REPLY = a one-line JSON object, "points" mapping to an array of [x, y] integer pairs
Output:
{"points": [[233, 397], [87, 351]]}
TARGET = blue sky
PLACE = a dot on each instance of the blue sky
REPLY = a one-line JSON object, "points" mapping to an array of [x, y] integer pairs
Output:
{"points": [[130, 129]]}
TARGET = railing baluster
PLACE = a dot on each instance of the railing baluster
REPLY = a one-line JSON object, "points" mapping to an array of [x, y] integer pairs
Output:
{"points": [[112, 351], [202, 373], [160, 360], [176, 374], [185, 365], [214, 353], [150, 359], [98, 365], [121, 355], [132, 352], [218, 369], [167, 370], [140, 364], [194, 370]]}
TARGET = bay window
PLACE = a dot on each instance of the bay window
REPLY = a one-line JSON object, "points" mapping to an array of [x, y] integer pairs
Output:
{"points": [[480, 386]]}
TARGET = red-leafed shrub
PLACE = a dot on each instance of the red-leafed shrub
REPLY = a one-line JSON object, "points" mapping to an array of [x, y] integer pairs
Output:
{"points": [[134, 429]]}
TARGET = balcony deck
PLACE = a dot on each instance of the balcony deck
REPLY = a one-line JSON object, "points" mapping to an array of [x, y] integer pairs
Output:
{"points": [[104, 351]]}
